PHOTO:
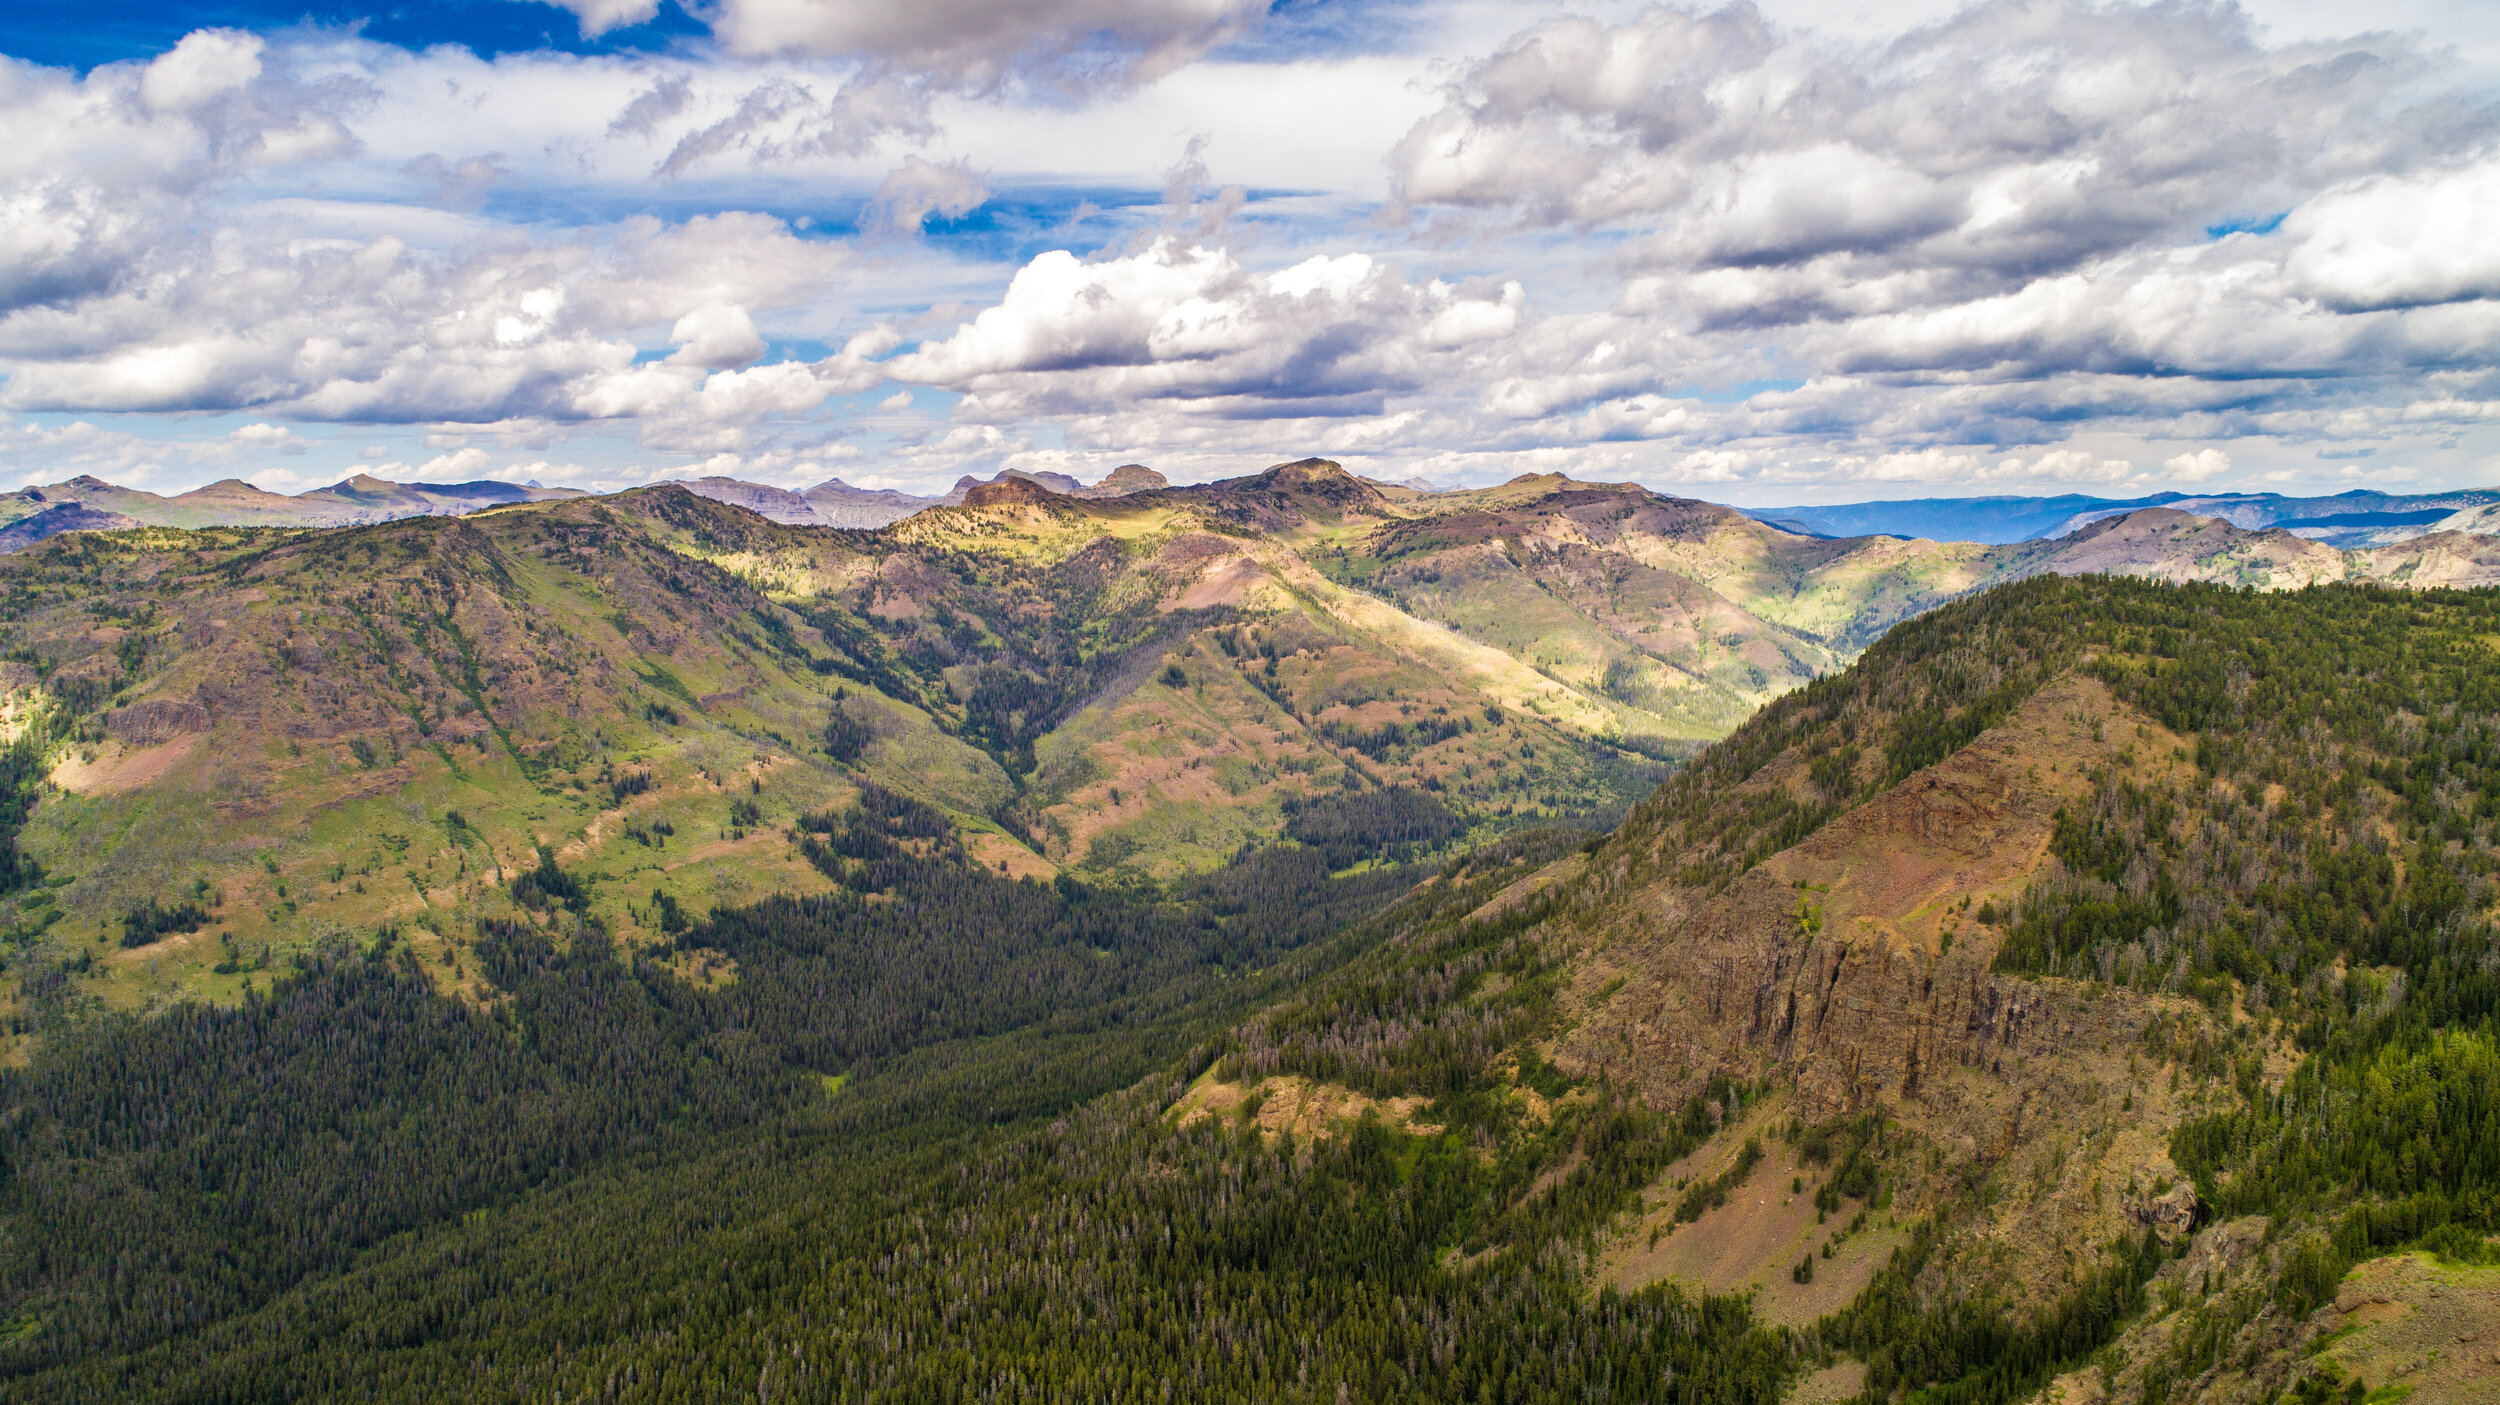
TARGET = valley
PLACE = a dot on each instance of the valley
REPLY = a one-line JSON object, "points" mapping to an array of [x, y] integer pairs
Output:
{"points": [[1287, 938]]}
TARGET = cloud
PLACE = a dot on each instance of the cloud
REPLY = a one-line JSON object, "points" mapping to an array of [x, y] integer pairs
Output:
{"points": [[680, 410], [597, 17], [383, 332], [919, 189], [982, 43], [783, 119], [97, 169], [716, 336], [2335, 293], [2035, 244], [2198, 467], [2017, 140], [270, 436], [2395, 241], [206, 64], [1192, 327]]}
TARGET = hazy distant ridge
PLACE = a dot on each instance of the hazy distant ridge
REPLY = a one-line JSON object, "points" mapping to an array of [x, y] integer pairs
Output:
{"points": [[2360, 518]]}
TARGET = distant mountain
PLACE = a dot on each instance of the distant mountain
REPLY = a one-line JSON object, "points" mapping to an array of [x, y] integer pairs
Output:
{"points": [[480, 923], [2356, 519], [58, 518], [1126, 479], [1121, 482], [832, 503], [592, 769], [31, 514]]}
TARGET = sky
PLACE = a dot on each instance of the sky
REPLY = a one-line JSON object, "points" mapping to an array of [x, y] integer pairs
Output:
{"points": [[1798, 251]]}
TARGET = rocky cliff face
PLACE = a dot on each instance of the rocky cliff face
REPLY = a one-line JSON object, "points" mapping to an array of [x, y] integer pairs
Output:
{"points": [[1853, 964], [1852, 971]]}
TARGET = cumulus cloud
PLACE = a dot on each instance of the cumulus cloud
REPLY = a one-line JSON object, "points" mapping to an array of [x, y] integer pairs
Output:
{"points": [[919, 189], [2037, 244], [2335, 292], [270, 436], [2396, 241], [2017, 140], [384, 332], [981, 43], [597, 17], [98, 168], [206, 64], [716, 336], [681, 410], [2198, 466], [1191, 327]]}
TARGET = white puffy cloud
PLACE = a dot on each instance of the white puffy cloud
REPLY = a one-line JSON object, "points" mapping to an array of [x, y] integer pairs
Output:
{"points": [[270, 436], [1193, 328], [2392, 241], [206, 64], [2016, 140], [720, 336], [2333, 292], [597, 17], [380, 331], [681, 410], [97, 169], [919, 189], [2199, 466]]}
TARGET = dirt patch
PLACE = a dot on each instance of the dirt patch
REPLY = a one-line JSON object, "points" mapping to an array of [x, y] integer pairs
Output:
{"points": [[2074, 1388], [1226, 583], [117, 768], [1752, 1243], [1832, 1385], [1291, 1104], [1004, 855], [2410, 1323]]}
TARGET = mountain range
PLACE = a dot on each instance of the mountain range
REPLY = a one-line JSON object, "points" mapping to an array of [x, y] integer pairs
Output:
{"points": [[2360, 518], [1136, 682], [84, 503], [1298, 936]]}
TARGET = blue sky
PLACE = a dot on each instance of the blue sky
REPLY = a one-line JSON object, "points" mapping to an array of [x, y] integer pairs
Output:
{"points": [[1811, 251]]}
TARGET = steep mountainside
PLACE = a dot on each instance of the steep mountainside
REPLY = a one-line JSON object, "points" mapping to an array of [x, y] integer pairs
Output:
{"points": [[2087, 995], [1137, 685], [2074, 890], [2094, 964]]}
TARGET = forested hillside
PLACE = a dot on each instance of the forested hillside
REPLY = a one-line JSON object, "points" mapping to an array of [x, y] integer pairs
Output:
{"points": [[1237, 939], [2062, 998], [245, 741]]}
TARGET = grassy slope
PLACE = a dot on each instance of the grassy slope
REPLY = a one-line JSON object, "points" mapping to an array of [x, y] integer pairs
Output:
{"points": [[1193, 664], [1809, 928], [360, 689]]}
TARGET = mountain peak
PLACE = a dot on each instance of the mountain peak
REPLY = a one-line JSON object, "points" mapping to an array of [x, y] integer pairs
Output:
{"points": [[1312, 470], [362, 485], [1130, 478], [1010, 490]]}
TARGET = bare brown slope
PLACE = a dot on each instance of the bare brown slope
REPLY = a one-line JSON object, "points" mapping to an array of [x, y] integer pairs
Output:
{"points": [[1851, 971], [1801, 910], [2162, 544]]}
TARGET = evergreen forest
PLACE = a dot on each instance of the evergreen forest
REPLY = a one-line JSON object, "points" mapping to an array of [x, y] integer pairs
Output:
{"points": [[940, 1134]]}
